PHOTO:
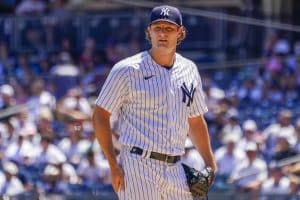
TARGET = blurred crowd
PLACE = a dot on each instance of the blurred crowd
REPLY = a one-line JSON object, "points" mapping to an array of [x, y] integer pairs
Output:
{"points": [[46, 137], [34, 7], [48, 145], [255, 122]]}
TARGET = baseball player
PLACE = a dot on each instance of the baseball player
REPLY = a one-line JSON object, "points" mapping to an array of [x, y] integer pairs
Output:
{"points": [[159, 99]]}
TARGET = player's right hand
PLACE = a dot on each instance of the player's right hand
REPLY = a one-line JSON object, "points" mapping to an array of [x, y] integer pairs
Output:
{"points": [[117, 178]]}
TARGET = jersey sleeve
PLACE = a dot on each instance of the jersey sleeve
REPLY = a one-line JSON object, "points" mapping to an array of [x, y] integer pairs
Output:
{"points": [[114, 90], [199, 106]]}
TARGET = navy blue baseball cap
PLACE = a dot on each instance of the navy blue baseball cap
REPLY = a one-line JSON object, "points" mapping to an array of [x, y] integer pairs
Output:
{"points": [[166, 13]]}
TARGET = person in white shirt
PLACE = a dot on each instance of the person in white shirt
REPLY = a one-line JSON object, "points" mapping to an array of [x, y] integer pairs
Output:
{"points": [[229, 156], [46, 151], [8, 133], [40, 98], [12, 184], [284, 127], [232, 125], [277, 183], [250, 174], [67, 171], [52, 181], [18, 149], [192, 156], [93, 172], [74, 145], [250, 130]]}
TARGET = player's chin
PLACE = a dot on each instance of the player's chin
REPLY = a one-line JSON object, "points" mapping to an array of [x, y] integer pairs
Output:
{"points": [[164, 48], [163, 45]]}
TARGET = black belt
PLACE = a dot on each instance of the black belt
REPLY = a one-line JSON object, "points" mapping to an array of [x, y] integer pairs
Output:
{"points": [[155, 155]]}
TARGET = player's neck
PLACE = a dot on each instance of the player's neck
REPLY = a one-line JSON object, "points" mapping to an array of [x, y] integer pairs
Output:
{"points": [[166, 60]]}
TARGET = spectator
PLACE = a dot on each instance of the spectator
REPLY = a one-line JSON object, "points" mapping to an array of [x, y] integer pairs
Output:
{"points": [[250, 131], [40, 98], [67, 171], [93, 172], [250, 174], [232, 125], [29, 131], [19, 149], [73, 146], [52, 182], [45, 122], [283, 126], [7, 96], [228, 156], [12, 185], [283, 148], [250, 91], [277, 183], [8, 134], [47, 151], [65, 75], [75, 104], [192, 156]]}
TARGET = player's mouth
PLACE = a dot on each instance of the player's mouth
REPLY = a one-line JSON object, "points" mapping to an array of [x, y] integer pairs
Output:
{"points": [[163, 41]]}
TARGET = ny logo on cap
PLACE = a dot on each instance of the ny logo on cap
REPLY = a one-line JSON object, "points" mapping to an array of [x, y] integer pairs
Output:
{"points": [[165, 11]]}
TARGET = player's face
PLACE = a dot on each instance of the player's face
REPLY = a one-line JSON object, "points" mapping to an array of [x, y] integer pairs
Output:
{"points": [[164, 35]]}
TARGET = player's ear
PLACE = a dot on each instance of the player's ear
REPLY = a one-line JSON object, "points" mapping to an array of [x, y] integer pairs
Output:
{"points": [[147, 34], [180, 32]]}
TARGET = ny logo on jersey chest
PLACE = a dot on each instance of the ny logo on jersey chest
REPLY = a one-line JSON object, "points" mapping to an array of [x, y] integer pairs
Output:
{"points": [[188, 94]]}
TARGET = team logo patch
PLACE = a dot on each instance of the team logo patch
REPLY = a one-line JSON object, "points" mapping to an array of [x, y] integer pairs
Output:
{"points": [[165, 11], [188, 94]]}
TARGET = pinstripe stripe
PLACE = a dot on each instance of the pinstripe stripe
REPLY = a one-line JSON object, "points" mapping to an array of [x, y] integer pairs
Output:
{"points": [[146, 73]]}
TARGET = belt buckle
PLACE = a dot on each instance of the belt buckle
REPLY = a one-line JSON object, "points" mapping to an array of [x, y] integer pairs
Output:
{"points": [[166, 160], [146, 154]]}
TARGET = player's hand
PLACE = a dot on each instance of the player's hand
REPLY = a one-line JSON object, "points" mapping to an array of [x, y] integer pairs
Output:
{"points": [[212, 176], [117, 176]]}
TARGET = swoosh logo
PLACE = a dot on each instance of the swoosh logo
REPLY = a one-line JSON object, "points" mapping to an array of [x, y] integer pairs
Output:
{"points": [[148, 77]]}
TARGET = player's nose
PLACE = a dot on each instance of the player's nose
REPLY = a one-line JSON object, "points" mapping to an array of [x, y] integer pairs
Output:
{"points": [[163, 34]]}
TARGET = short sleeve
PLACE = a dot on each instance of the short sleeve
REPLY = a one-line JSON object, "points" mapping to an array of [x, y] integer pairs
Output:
{"points": [[114, 90], [199, 106]]}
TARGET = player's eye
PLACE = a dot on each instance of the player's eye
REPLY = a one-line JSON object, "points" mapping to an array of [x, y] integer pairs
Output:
{"points": [[169, 29], [157, 29]]}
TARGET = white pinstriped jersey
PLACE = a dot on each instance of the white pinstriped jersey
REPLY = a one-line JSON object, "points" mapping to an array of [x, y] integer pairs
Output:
{"points": [[153, 102]]}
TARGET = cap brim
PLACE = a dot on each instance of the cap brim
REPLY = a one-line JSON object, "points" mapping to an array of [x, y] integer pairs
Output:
{"points": [[164, 20]]}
